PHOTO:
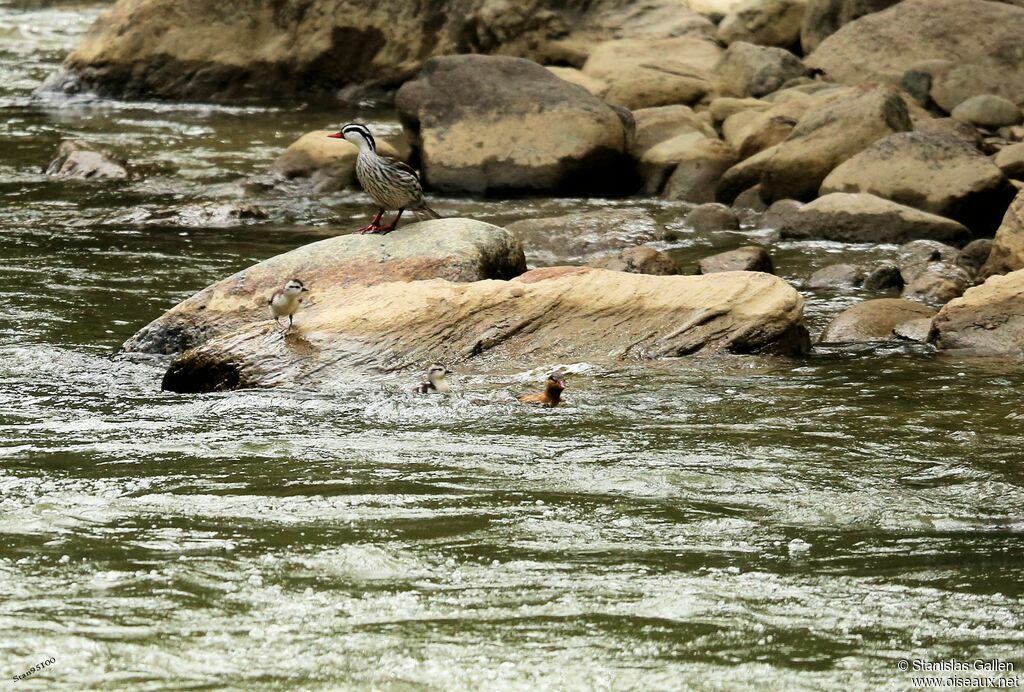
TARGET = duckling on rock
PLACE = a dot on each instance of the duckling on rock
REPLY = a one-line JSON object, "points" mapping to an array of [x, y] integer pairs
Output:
{"points": [[286, 301], [550, 397]]}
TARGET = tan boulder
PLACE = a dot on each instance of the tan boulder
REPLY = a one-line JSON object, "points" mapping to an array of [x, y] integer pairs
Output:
{"points": [[453, 249], [1010, 160], [724, 107], [644, 73], [822, 18], [987, 110], [873, 320], [487, 123], [746, 69], [750, 258], [938, 283], [1007, 253], [929, 171], [330, 163], [978, 40], [597, 87], [699, 165], [987, 320], [656, 125], [764, 22], [546, 315], [637, 260]]}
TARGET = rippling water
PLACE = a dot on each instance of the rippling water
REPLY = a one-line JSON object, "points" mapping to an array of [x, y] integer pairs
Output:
{"points": [[738, 522]]}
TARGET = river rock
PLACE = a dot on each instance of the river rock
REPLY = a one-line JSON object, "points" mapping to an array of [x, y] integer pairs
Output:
{"points": [[826, 136], [750, 258], [873, 320], [453, 249], [643, 73], [712, 217], [1008, 246], [749, 70], [987, 110], [80, 160], [486, 123], [978, 40], [660, 124], [330, 163], [764, 22], [722, 108], [937, 283], [916, 255], [750, 201], [822, 18], [837, 276], [884, 277], [597, 87], [929, 171], [637, 260], [699, 166], [974, 255], [914, 330], [988, 319], [864, 218], [1010, 160], [579, 236], [552, 314]]}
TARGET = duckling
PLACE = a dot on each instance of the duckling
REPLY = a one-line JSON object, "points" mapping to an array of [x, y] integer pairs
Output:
{"points": [[286, 301], [552, 394], [435, 381]]}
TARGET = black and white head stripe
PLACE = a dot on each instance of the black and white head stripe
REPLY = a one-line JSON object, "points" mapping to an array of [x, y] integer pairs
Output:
{"points": [[356, 128], [294, 283]]}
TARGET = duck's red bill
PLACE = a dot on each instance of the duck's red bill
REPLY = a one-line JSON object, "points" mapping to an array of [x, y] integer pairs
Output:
{"points": [[336, 135]]}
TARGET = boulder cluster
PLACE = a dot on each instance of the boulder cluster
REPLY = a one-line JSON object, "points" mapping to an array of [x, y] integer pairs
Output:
{"points": [[854, 121]]}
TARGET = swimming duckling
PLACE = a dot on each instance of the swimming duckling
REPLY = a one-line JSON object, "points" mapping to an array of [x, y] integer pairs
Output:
{"points": [[435, 381], [550, 397], [286, 301]]}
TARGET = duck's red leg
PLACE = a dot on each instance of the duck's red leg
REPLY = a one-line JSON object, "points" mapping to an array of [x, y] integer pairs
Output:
{"points": [[374, 225], [388, 229]]}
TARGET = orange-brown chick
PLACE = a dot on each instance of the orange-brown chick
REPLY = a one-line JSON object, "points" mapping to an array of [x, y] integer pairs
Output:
{"points": [[550, 397]]}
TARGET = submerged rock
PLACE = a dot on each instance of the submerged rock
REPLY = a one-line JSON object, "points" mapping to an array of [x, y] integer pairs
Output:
{"points": [[873, 320], [83, 161], [453, 249], [544, 315], [579, 236], [331, 163], [750, 258], [486, 123], [864, 218], [988, 319], [637, 260], [712, 217]]}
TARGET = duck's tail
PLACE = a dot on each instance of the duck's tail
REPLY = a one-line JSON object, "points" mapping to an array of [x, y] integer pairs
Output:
{"points": [[425, 212]]}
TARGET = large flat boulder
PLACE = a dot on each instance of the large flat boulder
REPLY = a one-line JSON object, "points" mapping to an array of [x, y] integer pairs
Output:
{"points": [[931, 171], [987, 319], [1007, 253], [486, 123], [865, 218], [545, 315], [970, 47], [201, 49], [453, 249]]}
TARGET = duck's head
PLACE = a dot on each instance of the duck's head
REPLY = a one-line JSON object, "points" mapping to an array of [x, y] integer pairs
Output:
{"points": [[437, 372], [358, 135], [556, 381], [294, 288]]}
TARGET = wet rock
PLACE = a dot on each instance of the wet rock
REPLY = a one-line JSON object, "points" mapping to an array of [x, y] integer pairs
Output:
{"points": [[837, 276], [781, 213], [1008, 247], [597, 87], [987, 110], [330, 163], [579, 236], [918, 330], [80, 160], [931, 172], [203, 50], [1010, 161], [873, 320], [974, 255], [828, 135], [637, 260], [764, 22], [750, 199], [453, 249], [884, 277], [486, 123], [863, 218], [749, 70], [751, 258], [643, 73], [822, 18], [699, 165], [544, 315], [988, 319], [937, 283], [979, 41], [922, 252], [712, 217]]}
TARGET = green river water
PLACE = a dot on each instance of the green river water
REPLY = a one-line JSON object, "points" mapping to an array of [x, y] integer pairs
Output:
{"points": [[722, 523]]}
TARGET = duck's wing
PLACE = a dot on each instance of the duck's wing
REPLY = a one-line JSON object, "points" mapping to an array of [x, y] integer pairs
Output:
{"points": [[402, 166]]}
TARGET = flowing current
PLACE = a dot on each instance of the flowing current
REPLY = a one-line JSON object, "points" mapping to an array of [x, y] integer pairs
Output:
{"points": [[727, 523]]}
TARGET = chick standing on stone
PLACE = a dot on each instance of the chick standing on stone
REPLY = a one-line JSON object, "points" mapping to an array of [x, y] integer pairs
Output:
{"points": [[392, 184], [550, 397], [435, 381], [286, 301]]}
